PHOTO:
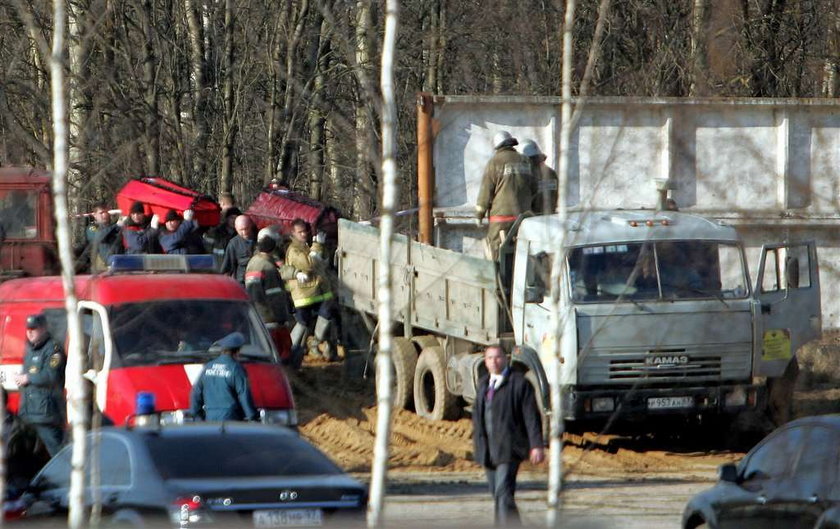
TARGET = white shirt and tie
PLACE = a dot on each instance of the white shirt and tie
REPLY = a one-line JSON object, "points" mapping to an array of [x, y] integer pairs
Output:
{"points": [[493, 384]]}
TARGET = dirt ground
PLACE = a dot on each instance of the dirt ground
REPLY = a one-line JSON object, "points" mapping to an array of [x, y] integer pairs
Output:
{"points": [[337, 412]]}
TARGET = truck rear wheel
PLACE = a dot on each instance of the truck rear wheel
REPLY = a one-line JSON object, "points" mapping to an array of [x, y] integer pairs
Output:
{"points": [[431, 398], [405, 363]]}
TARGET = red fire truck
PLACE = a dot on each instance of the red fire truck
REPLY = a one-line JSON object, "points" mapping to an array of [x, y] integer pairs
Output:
{"points": [[148, 325]]}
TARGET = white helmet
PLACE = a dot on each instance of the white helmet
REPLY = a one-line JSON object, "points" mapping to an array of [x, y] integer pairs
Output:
{"points": [[531, 149], [503, 139], [272, 231]]}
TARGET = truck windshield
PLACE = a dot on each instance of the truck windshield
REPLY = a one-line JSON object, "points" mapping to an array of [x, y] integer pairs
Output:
{"points": [[182, 331], [657, 270]]}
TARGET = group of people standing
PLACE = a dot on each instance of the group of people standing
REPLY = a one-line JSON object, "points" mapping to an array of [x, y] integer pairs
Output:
{"points": [[287, 278], [513, 184]]}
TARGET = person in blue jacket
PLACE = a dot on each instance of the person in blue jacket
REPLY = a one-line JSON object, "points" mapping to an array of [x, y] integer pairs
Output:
{"points": [[222, 392], [179, 234]]}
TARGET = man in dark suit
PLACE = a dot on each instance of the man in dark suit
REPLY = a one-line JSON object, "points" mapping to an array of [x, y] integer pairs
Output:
{"points": [[507, 429]]}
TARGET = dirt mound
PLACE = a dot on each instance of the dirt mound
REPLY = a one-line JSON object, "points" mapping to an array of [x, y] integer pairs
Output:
{"points": [[337, 412]]}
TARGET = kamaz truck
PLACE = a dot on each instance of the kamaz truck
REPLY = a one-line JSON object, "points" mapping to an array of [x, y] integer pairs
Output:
{"points": [[664, 314]]}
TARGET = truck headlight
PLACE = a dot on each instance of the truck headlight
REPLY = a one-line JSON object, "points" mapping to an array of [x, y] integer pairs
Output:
{"points": [[281, 417], [603, 404]]}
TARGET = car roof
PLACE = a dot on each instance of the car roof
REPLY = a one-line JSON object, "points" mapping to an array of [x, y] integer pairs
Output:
{"points": [[202, 429], [831, 420]]}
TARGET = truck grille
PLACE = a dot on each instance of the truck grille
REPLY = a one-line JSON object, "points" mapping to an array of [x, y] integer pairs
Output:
{"points": [[635, 368], [671, 365]]}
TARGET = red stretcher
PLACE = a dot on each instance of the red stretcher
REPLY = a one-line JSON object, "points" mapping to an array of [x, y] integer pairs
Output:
{"points": [[159, 196]]}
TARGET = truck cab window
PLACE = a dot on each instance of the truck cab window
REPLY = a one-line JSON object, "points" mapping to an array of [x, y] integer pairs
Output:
{"points": [[17, 214], [786, 268], [657, 270], [538, 277]]}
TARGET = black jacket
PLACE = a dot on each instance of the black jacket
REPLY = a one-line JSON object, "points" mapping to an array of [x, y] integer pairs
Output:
{"points": [[42, 400], [516, 421]]}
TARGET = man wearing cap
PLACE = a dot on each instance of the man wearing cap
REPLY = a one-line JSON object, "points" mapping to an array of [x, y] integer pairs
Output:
{"points": [[103, 238], [507, 190], [42, 384], [222, 392], [545, 179], [240, 249], [139, 233], [177, 235]]}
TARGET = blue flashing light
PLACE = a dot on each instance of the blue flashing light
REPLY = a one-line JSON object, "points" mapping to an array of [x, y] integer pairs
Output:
{"points": [[145, 404], [162, 263]]}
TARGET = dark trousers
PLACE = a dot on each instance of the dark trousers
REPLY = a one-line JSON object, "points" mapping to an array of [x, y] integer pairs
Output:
{"points": [[502, 481], [51, 435]]}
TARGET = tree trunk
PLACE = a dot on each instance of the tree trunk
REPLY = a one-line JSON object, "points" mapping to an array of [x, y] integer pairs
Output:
{"points": [[364, 189], [389, 194], [76, 387], [699, 49], [317, 119], [832, 58], [226, 177], [288, 145], [78, 101], [150, 86], [198, 72]]}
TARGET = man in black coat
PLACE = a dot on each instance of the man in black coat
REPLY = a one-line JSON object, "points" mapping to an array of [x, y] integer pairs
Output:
{"points": [[507, 429], [42, 384]]}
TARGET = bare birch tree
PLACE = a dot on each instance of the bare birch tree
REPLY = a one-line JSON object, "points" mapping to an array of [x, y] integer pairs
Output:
{"points": [[76, 388], [384, 362]]}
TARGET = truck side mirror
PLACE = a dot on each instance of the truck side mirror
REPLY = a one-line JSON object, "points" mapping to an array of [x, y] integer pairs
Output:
{"points": [[728, 472], [534, 294]]}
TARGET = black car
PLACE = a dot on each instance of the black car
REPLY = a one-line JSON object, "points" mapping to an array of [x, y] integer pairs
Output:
{"points": [[789, 480], [200, 474]]}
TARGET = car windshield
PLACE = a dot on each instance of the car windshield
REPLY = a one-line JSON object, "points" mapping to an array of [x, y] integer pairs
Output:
{"points": [[181, 331], [657, 270], [236, 455]]}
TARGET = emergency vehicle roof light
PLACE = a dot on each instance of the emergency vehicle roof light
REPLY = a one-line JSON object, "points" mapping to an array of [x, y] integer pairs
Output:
{"points": [[162, 263]]}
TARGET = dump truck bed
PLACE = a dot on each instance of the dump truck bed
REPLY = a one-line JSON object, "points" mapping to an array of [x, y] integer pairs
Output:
{"points": [[441, 291]]}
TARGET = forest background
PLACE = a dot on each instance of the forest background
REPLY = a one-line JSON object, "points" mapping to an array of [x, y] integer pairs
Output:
{"points": [[224, 95]]}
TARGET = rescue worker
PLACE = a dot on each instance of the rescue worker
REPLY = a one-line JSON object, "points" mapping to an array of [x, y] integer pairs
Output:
{"points": [[217, 237], [265, 286], [42, 384], [140, 233], [104, 239], [178, 235], [311, 293], [545, 180], [506, 190], [222, 392], [240, 249]]}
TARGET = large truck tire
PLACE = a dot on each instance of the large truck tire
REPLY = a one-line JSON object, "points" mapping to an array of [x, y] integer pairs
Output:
{"points": [[405, 362], [531, 377], [431, 398]]}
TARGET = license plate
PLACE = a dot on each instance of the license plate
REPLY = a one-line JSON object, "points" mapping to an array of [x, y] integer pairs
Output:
{"points": [[288, 518], [665, 403]]}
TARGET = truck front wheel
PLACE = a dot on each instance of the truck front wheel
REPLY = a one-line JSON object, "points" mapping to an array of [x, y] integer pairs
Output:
{"points": [[431, 399]]}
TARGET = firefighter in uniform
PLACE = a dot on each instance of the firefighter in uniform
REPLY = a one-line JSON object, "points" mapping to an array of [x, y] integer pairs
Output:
{"points": [[222, 392], [266, 288], [42, 384], [507, 189], [311, 293], [545, 179]]}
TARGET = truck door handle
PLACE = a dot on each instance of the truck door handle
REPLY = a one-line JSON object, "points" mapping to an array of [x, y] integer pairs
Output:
{"points": [[761, 500], [765, 308]]}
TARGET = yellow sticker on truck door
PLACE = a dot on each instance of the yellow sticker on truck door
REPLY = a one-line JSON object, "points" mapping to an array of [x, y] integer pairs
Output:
{"points": [[776, 345]]}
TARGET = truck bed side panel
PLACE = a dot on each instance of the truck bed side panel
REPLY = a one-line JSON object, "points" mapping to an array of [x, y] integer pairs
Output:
{"points": [[453, 294]]}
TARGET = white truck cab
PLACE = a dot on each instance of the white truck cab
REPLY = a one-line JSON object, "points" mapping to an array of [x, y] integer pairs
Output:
{"points": [[661, 315]]}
